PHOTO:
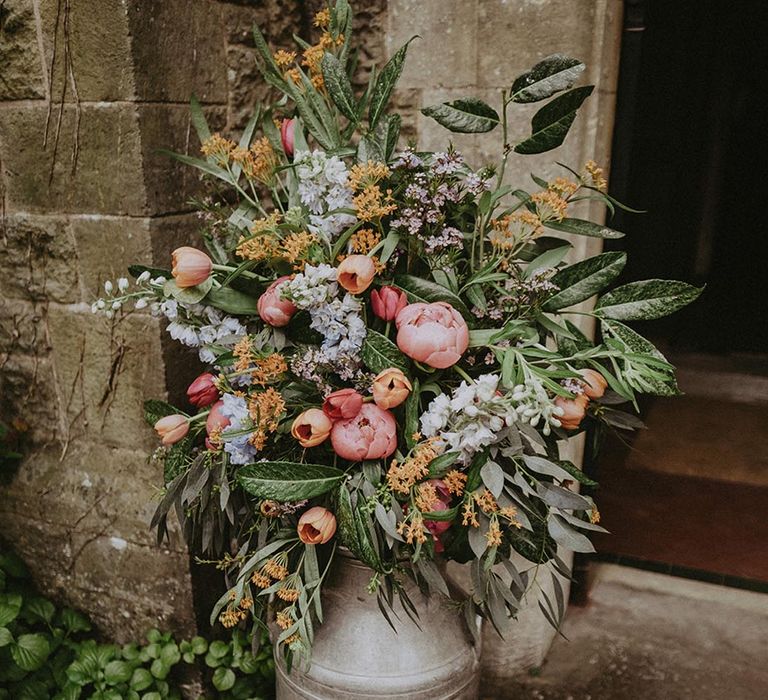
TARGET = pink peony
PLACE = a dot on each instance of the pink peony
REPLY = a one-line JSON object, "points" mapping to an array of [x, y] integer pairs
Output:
{"points": [[273, 310], [344, 403], [434, 334], [371, 434], [387, 302]]}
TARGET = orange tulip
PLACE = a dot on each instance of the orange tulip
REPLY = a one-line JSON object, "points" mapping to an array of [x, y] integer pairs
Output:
{"points": [[594, 383], [311, 427], [574, 411], [172, 428], [190, 266], [390, 388], [355, 273], [316, 526]]}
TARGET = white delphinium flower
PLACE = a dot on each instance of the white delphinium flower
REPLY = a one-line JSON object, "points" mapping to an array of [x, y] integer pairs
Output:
{"points": [[122, 284], [238, 448], [340, 324], [533, 405], [475, 416], [313, 287]]}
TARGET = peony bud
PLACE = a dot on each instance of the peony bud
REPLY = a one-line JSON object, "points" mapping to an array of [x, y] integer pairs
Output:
{"points": [[594, 383], [355, 273], [286, 135], [311, 427], [371, 434], [574, 411], [316, 525], [172, 428], [203, 392], [387, 302], [344, 403], [190, 266], [433, 334], [390, 388]]}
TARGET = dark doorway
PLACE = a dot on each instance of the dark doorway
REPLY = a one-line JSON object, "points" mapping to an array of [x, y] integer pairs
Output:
{"points": [[691, 148]]}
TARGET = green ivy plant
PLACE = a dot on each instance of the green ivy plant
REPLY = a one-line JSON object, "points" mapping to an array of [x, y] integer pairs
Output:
{"points": [[48, 652]]}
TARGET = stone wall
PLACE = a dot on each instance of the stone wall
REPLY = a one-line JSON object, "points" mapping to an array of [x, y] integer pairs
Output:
{"points": [[89, 91]]}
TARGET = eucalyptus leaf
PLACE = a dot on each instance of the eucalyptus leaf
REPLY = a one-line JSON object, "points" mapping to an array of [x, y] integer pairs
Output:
{"points": [[552, 74], [288, 481], [584, 279], [567, 537], [493, 477], [551, 123], [465, 116], [646, 300], [560, 497]]}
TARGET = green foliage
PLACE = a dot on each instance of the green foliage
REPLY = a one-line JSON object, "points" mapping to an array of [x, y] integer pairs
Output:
{"points": [[288, 481], [466, 116], [553, 74], [46, 652], [380, 353]]}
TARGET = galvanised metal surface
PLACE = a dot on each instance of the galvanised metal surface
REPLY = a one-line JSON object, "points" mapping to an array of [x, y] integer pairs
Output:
{"points": [[357, 655]]}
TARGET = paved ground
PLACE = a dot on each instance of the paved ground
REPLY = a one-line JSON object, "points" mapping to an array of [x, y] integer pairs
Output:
{"points": [[646, 636]]}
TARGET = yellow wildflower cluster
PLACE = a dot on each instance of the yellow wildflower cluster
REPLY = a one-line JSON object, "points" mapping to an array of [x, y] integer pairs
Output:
{"points": [[402, 476], [364, 241], [426, 497], [563, 186], [257, 162], [265, 409], [595, 172], [261, 580], [276, 568], [594, 516], [295, 247], [284, 58], [364, 175], [263, 242], [269, 368], [455, 481], [218, 148], [284, 620], [469, 517], [288, 594], [514, 230], [509, 513], [371, 203], [486, 501], [322, 18], [231, 616], [244, 354], [549, 205], [493, 536], [412, 528]]}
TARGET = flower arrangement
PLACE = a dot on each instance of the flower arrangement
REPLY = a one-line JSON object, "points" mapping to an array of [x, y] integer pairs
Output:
{"points": [[393, 361]]}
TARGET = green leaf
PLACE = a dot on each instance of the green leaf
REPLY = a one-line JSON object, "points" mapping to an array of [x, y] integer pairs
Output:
{"points": [[440, 465], [584, 279], [223, 678], [551, 123], [198, 119], [200, 164], [547, 260], [338, 85], [351, 533], [38, 608], [5, 636], [218, 649], [646, 300], [380, 353], [566, 536], [232, 302], [466, 116], [582, 227], [188, 295], [117, 672], [552, 74], [30, 651], [411, 426], [141, 679], [10, 605], [154, 410], [199, 645], [419, 290], [394, 122], [288, 481], [385, 83], [159, 669]]}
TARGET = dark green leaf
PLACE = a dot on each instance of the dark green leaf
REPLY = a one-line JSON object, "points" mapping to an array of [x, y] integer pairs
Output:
{"points": [[466, 116], [5, 636], [223, 678], [584, 279], [552, 74], [232, 302], [117, 672], [198, 119], [10, 605], [646, 300], [288, 481], [419, 290], [582, 227], [394, 121], [385, 83], [380, 353], [551, 123], [141, 679], [74, 621], [30, 651], [338, 85]]}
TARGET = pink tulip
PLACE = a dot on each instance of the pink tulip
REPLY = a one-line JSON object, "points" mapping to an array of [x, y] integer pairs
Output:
{"points": [[355, 273], [316, 525], [203, 391], [390, 388], [190, 266], [273, 310], [574, 411], [311, 427], [344, 403], [287, 128], [594, 383], [433, 334], [172, 428], [387, 302], [371, 434]]}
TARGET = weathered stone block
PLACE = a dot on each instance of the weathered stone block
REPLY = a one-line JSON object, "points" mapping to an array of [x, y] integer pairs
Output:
{"points": [[39, 176], [446, 53], [39, 260], [178, 50], [22, 69]]}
